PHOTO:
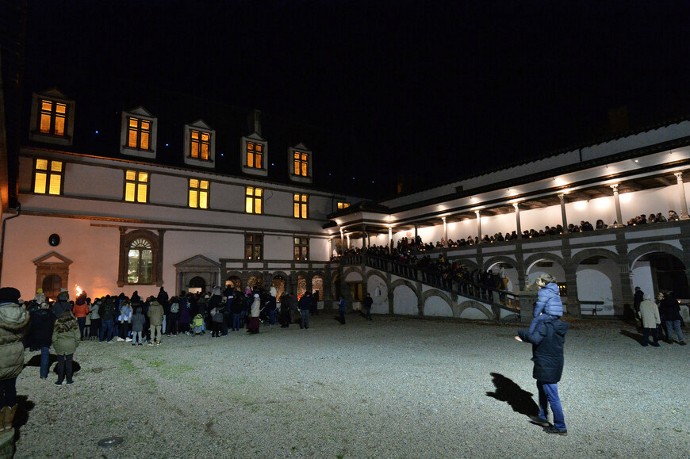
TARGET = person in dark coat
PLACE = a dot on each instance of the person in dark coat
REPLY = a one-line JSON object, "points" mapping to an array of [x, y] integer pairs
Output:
{"points": [[669, 310], [40, 335], [547, 341]]}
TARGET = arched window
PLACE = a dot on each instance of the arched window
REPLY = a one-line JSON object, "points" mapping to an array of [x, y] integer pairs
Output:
{"points": [[140, 262]]}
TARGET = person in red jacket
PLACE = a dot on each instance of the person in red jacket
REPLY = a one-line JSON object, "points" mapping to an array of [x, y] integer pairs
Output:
{"points": [[81, 310]]}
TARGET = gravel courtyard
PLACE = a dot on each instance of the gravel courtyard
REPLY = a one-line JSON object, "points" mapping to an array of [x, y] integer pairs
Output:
{"points": [[394, 388]]}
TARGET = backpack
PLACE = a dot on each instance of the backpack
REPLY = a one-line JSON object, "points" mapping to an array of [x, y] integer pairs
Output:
{"points": [[175, 308]]}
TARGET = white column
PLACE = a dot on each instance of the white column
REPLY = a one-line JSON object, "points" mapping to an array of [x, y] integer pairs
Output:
{"points": [[479, 225], [390, 238], [683, 202], [617, 202], [348, 240], [445, 232], [564, 218], [342, 241], [517, 219]]}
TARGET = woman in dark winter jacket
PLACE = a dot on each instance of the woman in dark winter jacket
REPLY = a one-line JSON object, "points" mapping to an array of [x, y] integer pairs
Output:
{"points": [[40, 335], [66, 339]]}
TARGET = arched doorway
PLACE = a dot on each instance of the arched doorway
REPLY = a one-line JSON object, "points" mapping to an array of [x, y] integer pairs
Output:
{"points": [[301, 286], [317, 287], [278, 282], [598, 283], [197, 284], [657, 271], [51, 286], [233, 282]]}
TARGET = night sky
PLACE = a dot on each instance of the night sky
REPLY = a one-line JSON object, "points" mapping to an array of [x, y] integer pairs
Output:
{"points": [[419, 91]]}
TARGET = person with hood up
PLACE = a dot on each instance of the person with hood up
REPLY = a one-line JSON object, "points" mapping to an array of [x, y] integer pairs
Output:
{"points": [[66, 337], [548, 303], [156, 321], [547, 339], [14, 321], [649, 315]]}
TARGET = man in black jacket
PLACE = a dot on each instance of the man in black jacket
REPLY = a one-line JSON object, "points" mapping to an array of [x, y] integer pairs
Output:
{"points": [[547, 341]]}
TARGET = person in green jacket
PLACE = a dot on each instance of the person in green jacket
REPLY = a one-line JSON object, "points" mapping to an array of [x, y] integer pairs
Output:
{"points": [[66, 338]]}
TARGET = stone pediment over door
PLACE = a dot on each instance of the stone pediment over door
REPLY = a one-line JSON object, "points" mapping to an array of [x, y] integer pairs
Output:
{"points": [[196, 271], [52, 273], [52, 258], [196, 263]]}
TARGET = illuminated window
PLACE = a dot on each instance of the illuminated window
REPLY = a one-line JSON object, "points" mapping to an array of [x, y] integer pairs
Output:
{"points": [[136, 186], [140, 262], [53, 118], [300, 206], [301, 248], [138, 133], [300, 163], [198, 193], [200, 147], [48, 176], [253, 246], [255, 155], [343, 205], [254, 200]]}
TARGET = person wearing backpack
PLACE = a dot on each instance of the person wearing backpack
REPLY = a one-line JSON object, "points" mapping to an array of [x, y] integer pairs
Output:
{"points": [[172, 316]]}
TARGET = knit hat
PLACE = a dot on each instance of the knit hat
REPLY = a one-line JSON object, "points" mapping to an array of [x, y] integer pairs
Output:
{"points": [[10, 294]]}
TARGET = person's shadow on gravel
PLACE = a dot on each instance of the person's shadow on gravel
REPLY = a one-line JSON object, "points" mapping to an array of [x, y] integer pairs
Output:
{"points": [[632, 335], [24, 406], [35, 361], [507, 391]]}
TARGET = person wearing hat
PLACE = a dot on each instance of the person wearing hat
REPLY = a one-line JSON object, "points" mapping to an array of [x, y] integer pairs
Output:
{"points": [[548, 303], [14, 321]]}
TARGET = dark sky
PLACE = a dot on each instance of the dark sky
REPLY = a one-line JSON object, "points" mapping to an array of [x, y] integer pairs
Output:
{"points": [[428, 91]]}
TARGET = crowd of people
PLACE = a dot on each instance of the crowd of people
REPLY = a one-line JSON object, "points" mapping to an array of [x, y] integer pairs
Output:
{"points": [[659, 320]]}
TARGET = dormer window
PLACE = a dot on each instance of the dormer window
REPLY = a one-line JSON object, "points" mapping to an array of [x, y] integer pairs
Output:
{"points": [[139, 131], [254, 155], [52, 118], [200, 144], [300, 160]]}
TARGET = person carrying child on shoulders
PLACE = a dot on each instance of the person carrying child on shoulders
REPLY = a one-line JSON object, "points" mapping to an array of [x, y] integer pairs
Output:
{"points": [[548, 305]]}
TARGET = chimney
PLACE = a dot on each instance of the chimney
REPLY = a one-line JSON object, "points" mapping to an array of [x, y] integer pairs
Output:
{"points": [[254, 121]]}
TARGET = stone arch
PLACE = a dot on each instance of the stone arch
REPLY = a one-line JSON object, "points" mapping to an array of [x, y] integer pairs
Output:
{"points": [[489, 262], [401, 305], [532, 259], [652, 279], [434, 293], [597, 281], [644, 249], [472, 305], [576, 259], [470, 264], [377, 285]]}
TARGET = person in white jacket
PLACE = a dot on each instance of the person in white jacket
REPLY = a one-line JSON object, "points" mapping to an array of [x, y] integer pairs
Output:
{"points": [[254, 312], [649, 315]]}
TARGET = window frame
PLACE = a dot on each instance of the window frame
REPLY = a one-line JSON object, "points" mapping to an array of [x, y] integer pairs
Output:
{"points": [[202, 193], [300, 205], [139, 150], [341, 205], [137, 184], [251, 199], [126, 241], [300, 163], [250, 167], [252, 241], [55, 98], [300, 251], [50, 174]]}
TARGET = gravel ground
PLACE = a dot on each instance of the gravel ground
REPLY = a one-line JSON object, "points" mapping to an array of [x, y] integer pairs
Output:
{"points": [[393, 387]]}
